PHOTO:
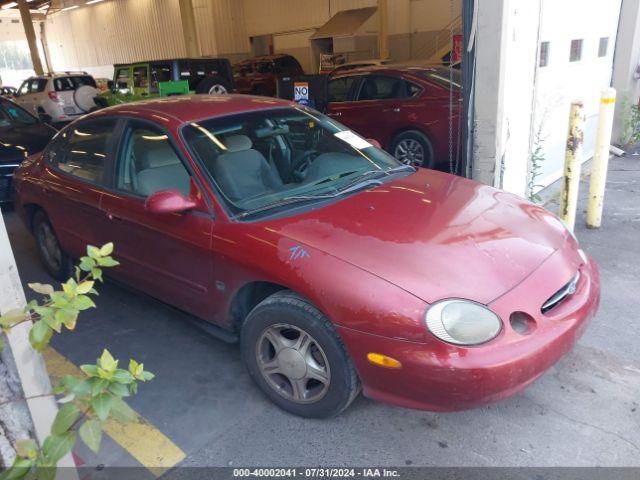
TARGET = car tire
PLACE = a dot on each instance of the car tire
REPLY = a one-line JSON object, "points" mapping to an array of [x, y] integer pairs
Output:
{"points": [[282, 319], [213, 86], [54, 259], [413, 148]]}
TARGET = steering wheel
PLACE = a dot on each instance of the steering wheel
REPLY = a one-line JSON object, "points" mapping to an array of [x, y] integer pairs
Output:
{"points": [[301, 169]]}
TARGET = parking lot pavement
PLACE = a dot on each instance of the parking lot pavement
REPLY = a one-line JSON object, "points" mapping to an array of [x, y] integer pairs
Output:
{"points": [[583, 412]]}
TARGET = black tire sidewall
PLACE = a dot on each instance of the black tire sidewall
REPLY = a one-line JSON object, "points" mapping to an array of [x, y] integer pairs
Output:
{"points": [[206, 83], [298, 312], [419, 137], [62, 273]]}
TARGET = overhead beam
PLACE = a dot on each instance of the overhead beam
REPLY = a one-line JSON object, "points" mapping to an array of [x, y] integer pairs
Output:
{"points": [[30, 33], [189, 31]]}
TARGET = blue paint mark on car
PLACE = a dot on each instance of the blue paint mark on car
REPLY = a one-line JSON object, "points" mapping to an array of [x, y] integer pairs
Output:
{"points": [[298, 252]]}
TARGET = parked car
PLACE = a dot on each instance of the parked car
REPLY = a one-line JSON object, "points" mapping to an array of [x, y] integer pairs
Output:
{"points": [[62, 96], [21, 135], [374, 62], [259, 75], [205, 75], [335, 265], [404, 108], [6, 91]]}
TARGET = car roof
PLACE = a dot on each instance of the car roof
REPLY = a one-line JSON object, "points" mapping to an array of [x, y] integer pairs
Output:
{"points": [[193, 108], [169, 60], [395, 69], [275, 56]]}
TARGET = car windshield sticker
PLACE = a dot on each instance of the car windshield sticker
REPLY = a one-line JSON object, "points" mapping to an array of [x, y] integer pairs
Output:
{"points": [[298, 252], [352, 139]]}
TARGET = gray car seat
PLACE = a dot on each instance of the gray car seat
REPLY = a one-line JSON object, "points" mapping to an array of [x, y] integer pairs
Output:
{"points": [[162, 169], [243, 172]]}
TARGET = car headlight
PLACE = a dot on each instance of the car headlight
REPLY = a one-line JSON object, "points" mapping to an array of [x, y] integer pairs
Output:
{"points": [[462, 322]]}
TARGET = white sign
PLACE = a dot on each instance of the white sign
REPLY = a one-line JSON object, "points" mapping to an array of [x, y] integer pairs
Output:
{"points": [[356, 141], [301, 92]]}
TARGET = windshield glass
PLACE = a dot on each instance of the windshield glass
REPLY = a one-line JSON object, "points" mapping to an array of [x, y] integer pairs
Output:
{"points": [[271, 157]]}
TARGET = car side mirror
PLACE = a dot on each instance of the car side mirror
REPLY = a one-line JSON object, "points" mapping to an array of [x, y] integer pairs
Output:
{"points": [[45, 117], [169, 201], [374, 142]]}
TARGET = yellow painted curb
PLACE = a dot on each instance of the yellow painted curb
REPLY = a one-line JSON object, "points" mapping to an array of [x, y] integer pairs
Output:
{"points": [[143, 441]]}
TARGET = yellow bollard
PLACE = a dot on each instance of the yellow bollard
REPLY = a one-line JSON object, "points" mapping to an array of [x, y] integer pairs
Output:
{"points": [[572, 162], [601, 158]]}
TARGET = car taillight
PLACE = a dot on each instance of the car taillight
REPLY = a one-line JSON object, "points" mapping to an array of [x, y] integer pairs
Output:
{"points": [[53, 96]]}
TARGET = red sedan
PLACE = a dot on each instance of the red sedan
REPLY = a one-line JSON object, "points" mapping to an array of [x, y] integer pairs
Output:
{"points": [[335, 266], [414, 112]]}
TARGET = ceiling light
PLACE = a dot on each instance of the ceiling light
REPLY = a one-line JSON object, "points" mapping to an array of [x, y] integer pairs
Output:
{"points": [[69, 8], [9, 5], [93, 1]]}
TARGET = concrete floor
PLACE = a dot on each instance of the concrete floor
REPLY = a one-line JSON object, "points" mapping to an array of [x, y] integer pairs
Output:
{"points": [[583, 412]]}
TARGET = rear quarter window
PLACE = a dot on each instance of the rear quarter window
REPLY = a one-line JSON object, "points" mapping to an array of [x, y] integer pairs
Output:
{"points": [[65, 84]]}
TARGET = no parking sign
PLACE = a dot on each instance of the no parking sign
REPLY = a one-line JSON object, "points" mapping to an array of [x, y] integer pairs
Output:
{"points": [[301, 92]]}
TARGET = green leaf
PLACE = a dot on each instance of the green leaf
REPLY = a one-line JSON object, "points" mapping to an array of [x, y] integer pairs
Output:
{"points": [[96, 273], [87, 264], [1, 344], [43, 288], [93, 252], [101, 405], [91, 434], [39, 335], [27, 448], [146, 376], [108, 262], [57, 446], [46, 472], [50, 320], [119, 389], [19, 469], [90, 370], [122, 412], [85, 287], [107, 362], [59, 300], [106, 249], [70, 287], [67, 398], [82, 302], [67, 414], [68, 316], [122, 376], [98, 385], [12, 317]]}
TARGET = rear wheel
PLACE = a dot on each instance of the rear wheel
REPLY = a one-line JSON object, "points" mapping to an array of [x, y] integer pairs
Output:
{"points": [[295, 356], [55, 261], [413, 148], [213, 86]]}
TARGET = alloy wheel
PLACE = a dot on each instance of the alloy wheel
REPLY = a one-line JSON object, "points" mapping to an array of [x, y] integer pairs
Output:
{"points": [[217, 89], [410, 152], [293, 363]]}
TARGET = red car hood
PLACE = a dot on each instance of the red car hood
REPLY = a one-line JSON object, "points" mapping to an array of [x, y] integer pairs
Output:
{"points": [[434, 235]]}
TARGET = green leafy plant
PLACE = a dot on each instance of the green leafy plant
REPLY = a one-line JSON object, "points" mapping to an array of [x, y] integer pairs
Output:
{"points": [[630, 121], [86, 402], [535, 163]]}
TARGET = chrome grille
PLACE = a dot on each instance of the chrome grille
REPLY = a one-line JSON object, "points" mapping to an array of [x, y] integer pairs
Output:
{"points": [[561, 294]]}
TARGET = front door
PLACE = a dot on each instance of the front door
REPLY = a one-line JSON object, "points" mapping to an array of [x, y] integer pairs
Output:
{"points": [[165, 255]]}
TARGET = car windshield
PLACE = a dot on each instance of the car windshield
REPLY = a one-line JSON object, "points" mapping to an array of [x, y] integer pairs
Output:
{"points": [[12, 116], [266, 159]]}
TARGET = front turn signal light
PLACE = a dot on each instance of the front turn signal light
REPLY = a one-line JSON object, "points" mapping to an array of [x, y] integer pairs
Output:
{"points": [[383, 360]]}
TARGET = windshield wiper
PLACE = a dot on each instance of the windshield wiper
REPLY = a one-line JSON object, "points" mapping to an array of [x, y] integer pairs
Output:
{"points": [[304, 198]]}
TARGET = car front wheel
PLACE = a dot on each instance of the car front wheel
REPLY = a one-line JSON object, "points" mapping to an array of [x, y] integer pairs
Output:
{"points": [[295, 356], [413, 148], [56, 262]]}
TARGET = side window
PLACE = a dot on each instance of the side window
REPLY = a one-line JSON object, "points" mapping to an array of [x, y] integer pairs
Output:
{"points": [[264, 67], [381, 88], [122, 78], [413, 90], [338, 89], [24, 88], [141, 76], [81, 151], [38, 85], [147, 162], [159, 73]]}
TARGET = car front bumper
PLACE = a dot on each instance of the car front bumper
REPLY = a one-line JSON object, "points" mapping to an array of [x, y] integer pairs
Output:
{"points": [[441, 377]]}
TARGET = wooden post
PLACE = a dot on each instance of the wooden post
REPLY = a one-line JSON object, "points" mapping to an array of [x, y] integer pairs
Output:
{"points": [[572, 164], [30, 33], [383, 35], [187, 16]]}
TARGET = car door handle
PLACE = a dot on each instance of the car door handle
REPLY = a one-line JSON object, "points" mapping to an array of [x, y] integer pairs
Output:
{"points": [[395, 110], [335, 114], [113, 217]]}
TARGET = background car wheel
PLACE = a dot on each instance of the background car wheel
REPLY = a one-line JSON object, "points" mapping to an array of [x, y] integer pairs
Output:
{"points": [[295, 356], [213, 86], [413, 148], [56, 262]]}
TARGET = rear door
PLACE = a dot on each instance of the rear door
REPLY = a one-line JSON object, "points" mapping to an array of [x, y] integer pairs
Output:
{"points": [[76, 172], [165, 255], [340, 99]]}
